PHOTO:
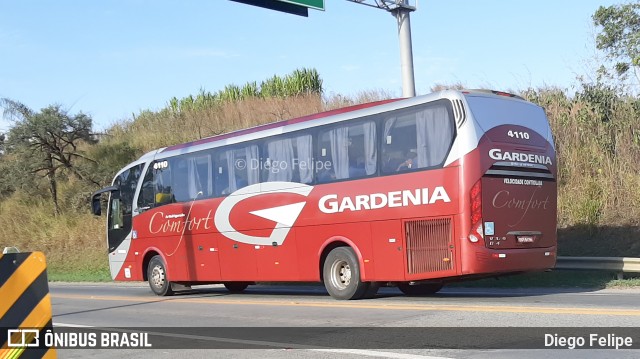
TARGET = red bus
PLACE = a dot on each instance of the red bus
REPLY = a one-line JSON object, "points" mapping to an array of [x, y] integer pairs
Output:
{"points": [[414, 193]]}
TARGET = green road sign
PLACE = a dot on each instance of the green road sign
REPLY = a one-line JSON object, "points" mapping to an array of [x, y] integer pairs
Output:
{"points": [[296, 7], [313, 4]]}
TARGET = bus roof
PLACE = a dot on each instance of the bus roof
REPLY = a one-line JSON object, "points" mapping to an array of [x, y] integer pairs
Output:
{"points": [[491, 92]]}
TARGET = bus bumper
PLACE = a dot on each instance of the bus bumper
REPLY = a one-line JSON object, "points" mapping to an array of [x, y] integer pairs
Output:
{"points": [[484, 260]]}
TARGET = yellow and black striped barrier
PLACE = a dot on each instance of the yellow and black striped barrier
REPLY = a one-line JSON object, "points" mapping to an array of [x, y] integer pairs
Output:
{"points": [[25, 306]]}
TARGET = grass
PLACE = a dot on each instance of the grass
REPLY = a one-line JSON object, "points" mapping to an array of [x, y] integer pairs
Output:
{"points": [[624, 283], [555, 279], [78, 275], [598, 157]]}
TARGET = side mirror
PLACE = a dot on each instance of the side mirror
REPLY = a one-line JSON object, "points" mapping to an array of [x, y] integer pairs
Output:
{"points": [[96, 206], [95, 199], [9, 250]]}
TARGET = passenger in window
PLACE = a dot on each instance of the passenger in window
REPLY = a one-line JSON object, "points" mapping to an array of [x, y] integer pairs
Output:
{"points": [[357, 169], [241, 182], [326, 175], [390, 163], [409, 163], [164, 196], [221, 184]]}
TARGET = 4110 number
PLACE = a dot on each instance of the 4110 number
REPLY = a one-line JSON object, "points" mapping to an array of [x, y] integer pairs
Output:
{"points": [[518, 134]]}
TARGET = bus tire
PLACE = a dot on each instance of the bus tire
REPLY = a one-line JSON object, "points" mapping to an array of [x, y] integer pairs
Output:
{"points": [[157, 276], [341, 274], [236, 287], [420, 289]]}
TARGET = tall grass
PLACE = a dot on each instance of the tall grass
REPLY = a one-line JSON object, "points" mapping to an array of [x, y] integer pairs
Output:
{"points": [[151, 130], [336, 101], [301, 82], [597, 136], [598, 152], [72, 242]]}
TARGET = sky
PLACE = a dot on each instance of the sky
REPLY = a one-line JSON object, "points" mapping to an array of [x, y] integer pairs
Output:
{"points": [[112, 59]]}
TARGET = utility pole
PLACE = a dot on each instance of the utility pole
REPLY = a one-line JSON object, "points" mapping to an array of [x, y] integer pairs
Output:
{"points": [[401, 10]]}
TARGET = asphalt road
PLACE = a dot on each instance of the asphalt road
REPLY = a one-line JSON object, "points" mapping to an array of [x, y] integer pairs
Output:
{"points": [[468, 316]]}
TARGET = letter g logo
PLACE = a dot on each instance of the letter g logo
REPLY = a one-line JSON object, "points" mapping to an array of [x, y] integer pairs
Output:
{"points": [[495, 154], [284, 216]]}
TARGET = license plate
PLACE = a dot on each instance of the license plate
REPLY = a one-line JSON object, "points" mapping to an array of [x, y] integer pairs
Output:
{"points": [[525, 239]]}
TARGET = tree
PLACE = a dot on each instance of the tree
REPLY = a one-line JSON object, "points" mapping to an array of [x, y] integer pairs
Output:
{"points": [[48, 141], [619, 36]]}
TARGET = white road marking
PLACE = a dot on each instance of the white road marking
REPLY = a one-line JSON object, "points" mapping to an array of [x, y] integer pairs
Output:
{"points": [[377, 354], [72, 325]]}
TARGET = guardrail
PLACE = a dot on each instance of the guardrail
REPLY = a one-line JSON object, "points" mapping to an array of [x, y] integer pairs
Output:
{"points": [[620, 265]]}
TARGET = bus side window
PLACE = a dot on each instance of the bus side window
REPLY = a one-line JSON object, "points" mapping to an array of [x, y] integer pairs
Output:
{"points": [[220, 176], [203, 172], [416, 139], [237, 168], [289, 160], [180, 180], [190, 177], [163, 186], [348, 152], [145, 198]]}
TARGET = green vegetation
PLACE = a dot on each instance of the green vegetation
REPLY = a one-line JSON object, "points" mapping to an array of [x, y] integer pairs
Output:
{"points": [[298, 83], [50, 163], [45, 144], [597, 136], [556, 279], [619, 37]]}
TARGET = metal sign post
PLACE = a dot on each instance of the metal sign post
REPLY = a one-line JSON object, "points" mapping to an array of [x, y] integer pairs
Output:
{"points": [[401, 10]]}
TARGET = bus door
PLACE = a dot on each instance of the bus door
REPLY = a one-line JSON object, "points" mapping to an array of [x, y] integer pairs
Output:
{"points": [[120, 219], [173, 220]]}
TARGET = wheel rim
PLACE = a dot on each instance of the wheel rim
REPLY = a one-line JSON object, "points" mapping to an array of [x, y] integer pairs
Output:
{"points": [[157, 276], [340, 274]]}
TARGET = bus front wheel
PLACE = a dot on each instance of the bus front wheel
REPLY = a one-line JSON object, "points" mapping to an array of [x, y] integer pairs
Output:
{"points": [[341, 274], [420, 289], [157, 276]]}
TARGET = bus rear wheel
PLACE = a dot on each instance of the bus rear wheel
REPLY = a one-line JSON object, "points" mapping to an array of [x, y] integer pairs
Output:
{"points": [[420, 289], [157, 276], [341, 274], [236, 287]]}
